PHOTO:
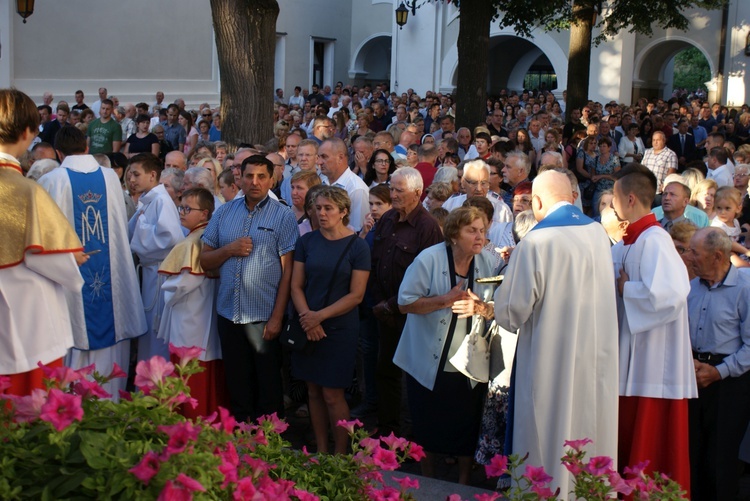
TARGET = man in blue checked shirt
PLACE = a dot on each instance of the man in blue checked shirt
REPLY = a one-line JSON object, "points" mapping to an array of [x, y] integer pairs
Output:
{"points": [[719, 315], [251, 240]]}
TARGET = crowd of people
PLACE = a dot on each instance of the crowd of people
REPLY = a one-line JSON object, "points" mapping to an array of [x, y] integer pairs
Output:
{"points": [[366, 222]]}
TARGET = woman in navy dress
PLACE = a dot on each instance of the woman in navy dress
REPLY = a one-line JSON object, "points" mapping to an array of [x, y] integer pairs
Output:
{"points": [[327, 363]]}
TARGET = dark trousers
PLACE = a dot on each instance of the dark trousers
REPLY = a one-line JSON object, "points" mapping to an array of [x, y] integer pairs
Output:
{"points": [[388, 378], [718, 421], [253, 370], [368, 350]]}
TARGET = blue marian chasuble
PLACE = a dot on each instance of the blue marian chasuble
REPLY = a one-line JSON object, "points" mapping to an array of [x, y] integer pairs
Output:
{"points": [[91, 225]]}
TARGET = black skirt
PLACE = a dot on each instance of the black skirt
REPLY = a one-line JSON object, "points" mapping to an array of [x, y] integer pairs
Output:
{"points": [[446, 420]]}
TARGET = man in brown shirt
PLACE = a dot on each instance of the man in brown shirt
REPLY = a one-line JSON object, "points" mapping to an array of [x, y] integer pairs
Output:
{"points": [[402, 233]]}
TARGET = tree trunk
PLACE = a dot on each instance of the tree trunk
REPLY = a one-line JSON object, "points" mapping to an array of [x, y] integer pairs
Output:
{"points": [[473, 52], [579, 55], [245, 33]]}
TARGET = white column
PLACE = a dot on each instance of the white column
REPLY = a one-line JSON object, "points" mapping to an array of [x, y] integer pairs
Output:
{"points": [[7, 13]]}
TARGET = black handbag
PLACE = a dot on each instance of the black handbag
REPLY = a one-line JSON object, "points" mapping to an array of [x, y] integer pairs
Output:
{"points": [[294, 336]]}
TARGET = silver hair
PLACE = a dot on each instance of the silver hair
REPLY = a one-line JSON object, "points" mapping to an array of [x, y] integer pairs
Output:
{"points": [[41, 167], [200, 176], [102, 160], [476, 165], [524, 160], [556, 158], [447, 174], [175, 176], [523, 224], [744, 168], [717, 240], [412, 177]]}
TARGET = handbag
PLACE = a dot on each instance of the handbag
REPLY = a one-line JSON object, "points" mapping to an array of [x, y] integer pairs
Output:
{"points": [[472, 359], [294, 336]]}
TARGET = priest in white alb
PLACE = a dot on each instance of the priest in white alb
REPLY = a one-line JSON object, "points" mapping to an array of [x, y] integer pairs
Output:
{"points": [[107, 312], [559, 293]]}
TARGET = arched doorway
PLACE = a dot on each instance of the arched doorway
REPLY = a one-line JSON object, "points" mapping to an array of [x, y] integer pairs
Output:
{"points": [[654, 69], [371, 62], [516, 63]]}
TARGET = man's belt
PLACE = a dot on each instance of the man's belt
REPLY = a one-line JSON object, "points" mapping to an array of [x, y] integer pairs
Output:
{"points": [[709, 358]]}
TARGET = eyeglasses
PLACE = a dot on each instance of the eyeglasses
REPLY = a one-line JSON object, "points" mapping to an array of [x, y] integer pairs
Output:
{"points": [[474, 184], [381, 161], [183, 209]]}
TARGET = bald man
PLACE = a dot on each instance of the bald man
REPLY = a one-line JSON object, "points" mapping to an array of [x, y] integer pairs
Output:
{"points": [[561, 300]]}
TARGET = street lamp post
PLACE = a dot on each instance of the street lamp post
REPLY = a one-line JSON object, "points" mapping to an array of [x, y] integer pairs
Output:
{"points": [[25, 8]]}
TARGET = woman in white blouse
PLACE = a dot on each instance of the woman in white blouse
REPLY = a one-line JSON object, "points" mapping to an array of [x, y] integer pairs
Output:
{"points": [[631, 148]]}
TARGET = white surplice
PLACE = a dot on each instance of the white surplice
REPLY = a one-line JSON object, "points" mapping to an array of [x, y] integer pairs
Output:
{"points": [[34, 317], [655, 355], [559, 294], [154, 230]]}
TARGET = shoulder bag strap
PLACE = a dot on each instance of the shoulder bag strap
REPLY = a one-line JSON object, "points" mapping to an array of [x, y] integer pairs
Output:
{"points": [[338, 264], [454, 317]]}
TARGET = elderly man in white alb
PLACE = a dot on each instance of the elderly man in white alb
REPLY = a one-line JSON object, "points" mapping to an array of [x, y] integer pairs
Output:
{"points": [[476, 183], [564, 378]]}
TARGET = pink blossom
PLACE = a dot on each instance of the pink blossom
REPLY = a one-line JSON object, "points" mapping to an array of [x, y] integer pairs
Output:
{"points": [[117, 372], [184, 353], [492, 496], [537, 475], [63, 375], [454, 497], [180, 435], [229, 462], [147, 468], [275, 489], [349, 425], [173, 492], [183, 398], [577, 445], [4, 383], [407, 483], [190, 484], [227, 422], [369, 444], [279, 426], [572, 464], [385, 459], [125, 395], [387, 493], [28, 408], [599, 465], [304, 450], [542, 491], [304, 495], [373, 475], [416, 452], [61, 409], [619, 485], [637, 469], [498, 466], [151, 373], [85, 371], [245, 490], [258, 466], [87, 389], [395, 443]]}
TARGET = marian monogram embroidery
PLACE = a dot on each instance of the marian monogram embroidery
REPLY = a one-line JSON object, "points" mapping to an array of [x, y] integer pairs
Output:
{"points": [[91, 218]]}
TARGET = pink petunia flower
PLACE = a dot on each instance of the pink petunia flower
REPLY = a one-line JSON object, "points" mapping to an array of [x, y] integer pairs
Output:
{"points": [[147, 468], [498, 466], [537, 475], [416, 452], [618, 484], [174, 492], [304, 495], [151, 373], [61, 409], [88, 389], [180, 435], [227, 422], [349, 425], [29, 407], [190, 484], [577, 445], [62, 375], [387, 493], [395, 443], [279, 426], [637, 469], [542, 491], [492, 496], [454, 497], [385, 459], [86, 371], [245, 490], [125, 395], [185, 354], [407, 483], [4, 383], [369, 444], [117, 372], [599, 465], [573, 465]]}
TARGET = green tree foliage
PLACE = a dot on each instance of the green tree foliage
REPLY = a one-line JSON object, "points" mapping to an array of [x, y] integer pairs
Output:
{"points": [[691, 70]]}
